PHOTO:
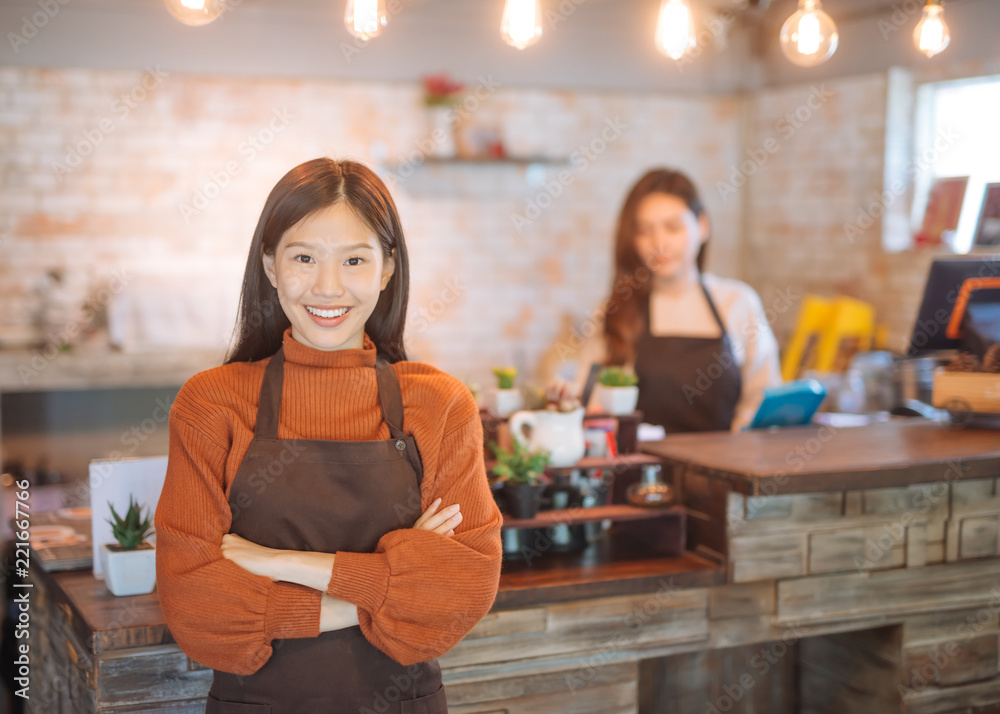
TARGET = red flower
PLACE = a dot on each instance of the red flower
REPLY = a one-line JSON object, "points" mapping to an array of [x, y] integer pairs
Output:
{"points": [[439, 88]]}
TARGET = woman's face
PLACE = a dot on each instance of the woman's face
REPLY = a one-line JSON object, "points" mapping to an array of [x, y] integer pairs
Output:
{"points": [[329, 270], [668, 234]]}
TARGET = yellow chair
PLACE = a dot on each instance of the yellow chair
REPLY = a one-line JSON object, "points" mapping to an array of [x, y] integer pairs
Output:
{"points": [[828, 333]]}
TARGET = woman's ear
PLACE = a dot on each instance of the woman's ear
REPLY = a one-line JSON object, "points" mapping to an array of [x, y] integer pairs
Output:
{"points": [[704, 227], [268, 262], [388, 268]]}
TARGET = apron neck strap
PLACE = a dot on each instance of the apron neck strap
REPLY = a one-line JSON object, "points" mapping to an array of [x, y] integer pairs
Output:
{"points": [[269, 404], [389, 396], [711, 306]]}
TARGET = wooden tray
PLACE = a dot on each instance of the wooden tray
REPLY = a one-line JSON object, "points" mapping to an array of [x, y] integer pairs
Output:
{"points": [[975, 392]]}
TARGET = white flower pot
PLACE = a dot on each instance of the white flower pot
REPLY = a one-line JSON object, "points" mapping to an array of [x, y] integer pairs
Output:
{"points": [[129, 572], [618, 401], [504, 402], [441, 131]]}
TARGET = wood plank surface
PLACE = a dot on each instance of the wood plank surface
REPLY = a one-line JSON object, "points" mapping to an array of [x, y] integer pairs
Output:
{"points": [[815, 459]]}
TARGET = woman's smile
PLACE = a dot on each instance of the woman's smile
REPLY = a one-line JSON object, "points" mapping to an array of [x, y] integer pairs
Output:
{"points": [[329, 317]]}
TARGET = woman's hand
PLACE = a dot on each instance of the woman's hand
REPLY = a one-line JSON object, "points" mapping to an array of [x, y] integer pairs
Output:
{"points": [[443, 522], [258, 559]]}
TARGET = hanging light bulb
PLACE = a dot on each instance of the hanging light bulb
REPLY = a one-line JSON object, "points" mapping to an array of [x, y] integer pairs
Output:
{"points": [[675, 29], [809, 37], [521, 25], [931, 33], [195, 12], [365, 19]]}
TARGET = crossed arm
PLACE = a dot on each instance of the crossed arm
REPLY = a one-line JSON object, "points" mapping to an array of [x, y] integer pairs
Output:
{"points": [[313, 569]]}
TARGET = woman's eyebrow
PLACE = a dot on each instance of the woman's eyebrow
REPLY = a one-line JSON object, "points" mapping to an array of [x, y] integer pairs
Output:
{"points": [[352, 246]]}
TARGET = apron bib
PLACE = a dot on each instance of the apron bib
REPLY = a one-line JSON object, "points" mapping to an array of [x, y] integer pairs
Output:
{"points": [[687, 383], [324, 496]]}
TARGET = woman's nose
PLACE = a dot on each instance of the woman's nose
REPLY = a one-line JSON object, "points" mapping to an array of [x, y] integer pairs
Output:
{"points": [[328, 280]]}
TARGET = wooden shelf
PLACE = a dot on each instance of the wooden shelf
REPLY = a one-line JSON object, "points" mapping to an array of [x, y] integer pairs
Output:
{"points": [[593, 462], [604, 568], [575, 516]]}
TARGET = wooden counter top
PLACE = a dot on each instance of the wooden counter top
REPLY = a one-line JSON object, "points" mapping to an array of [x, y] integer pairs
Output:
{"points": [[815, 459], [109, 622]]}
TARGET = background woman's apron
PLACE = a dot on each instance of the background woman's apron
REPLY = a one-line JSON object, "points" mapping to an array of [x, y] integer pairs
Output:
{"points": [[324, 496], [687, 383]]}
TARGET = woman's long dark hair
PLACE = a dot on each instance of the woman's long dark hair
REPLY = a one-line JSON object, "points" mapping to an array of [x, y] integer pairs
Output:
{"points": [[628, 306], [307, 188]]}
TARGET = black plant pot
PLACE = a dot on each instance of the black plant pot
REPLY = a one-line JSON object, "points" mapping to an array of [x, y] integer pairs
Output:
{"points": [[523, 500]]}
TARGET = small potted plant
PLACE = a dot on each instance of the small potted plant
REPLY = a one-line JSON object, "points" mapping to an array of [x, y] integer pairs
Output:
{"points": [[618, 393], [441, 93], [520, 470], [130, 564], [505, 399]]}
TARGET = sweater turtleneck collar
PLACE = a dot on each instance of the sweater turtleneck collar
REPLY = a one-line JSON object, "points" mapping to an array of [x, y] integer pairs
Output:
{"points": [[298, 353]]}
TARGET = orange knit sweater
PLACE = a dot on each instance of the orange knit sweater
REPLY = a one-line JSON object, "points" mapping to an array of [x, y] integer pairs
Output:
{"points": [[417, 595]]}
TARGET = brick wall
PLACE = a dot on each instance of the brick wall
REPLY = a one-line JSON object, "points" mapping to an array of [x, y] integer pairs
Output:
{"points": [[162, 177], [813, 175]]}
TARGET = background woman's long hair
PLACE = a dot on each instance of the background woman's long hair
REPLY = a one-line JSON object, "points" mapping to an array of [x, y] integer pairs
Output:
{"points": [[628, 305], [305, 189]]}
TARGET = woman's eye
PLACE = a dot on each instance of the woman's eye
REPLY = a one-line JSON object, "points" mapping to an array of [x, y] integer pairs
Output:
{"points": [[303, 255], [356, 260]]}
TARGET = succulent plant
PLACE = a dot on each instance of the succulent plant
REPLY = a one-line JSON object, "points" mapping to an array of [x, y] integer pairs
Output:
{"points": [[505, 377], [132, 530], [618, 377], [519, 466]]}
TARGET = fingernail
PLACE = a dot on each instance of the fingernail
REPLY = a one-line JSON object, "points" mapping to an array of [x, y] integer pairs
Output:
{"points": [[436, 501], [457, 516], [453, 508]]}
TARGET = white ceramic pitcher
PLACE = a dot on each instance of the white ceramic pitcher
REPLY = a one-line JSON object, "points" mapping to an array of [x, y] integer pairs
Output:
{"points": [[559, 432]]}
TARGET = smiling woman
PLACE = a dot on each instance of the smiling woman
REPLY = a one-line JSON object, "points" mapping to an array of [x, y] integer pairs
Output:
{"points": [[299, 532]]}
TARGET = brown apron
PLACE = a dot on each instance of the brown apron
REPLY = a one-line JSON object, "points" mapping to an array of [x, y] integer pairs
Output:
{"points": [[327, 496], [687, 383]]}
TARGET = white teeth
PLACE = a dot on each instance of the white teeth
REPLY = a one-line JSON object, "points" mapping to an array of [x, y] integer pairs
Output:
{"points": [[327, 313]]}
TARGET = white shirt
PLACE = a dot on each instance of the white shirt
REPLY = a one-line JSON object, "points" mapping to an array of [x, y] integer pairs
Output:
{"points": [[755, 348]]}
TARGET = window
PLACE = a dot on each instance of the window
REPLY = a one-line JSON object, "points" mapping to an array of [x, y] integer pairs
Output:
{"points": [[958, 135]]}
